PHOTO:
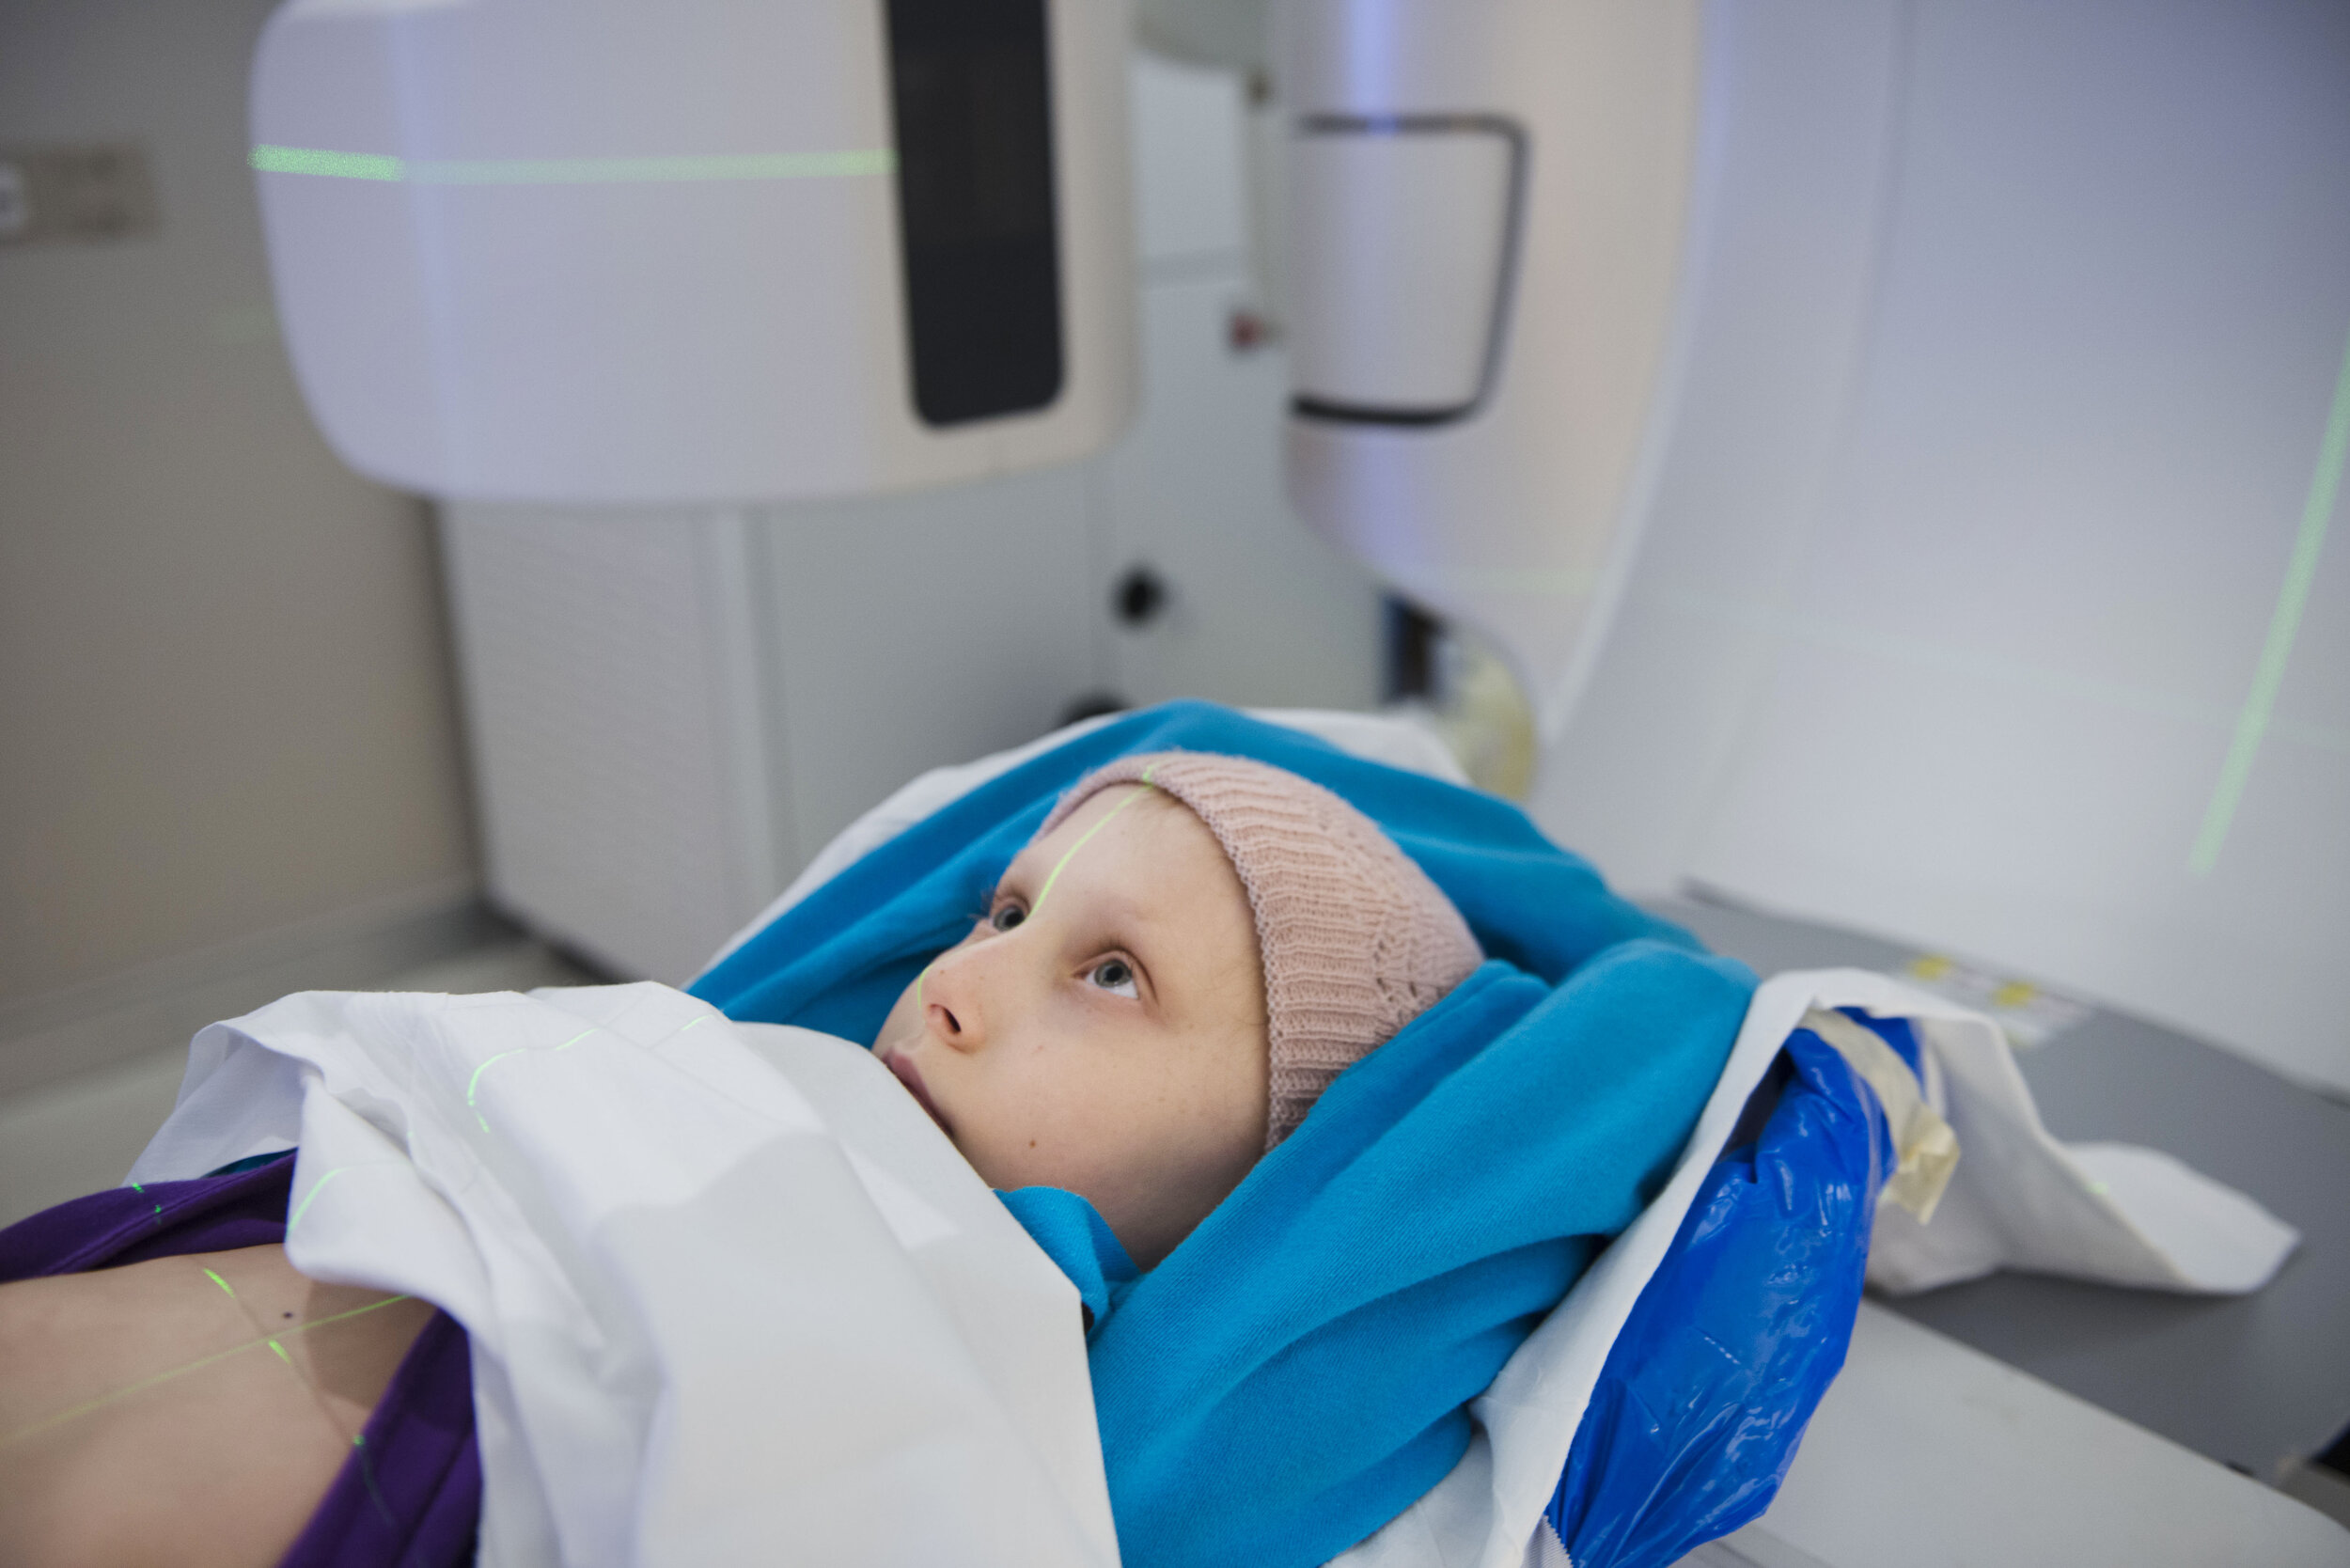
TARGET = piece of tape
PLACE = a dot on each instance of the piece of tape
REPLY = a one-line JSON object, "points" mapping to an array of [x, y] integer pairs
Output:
{"points": [[1927, 1146]]}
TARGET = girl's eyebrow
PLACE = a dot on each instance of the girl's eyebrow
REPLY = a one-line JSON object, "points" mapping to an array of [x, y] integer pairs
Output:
{"points": [[1022, 865]]}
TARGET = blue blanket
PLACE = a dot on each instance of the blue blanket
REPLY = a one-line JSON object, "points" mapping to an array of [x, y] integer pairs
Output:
{"points": [[1296, 1372]]}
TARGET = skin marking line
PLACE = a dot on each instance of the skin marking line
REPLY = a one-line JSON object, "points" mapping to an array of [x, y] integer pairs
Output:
{"points": [[315, 1391], [325, 1405], [197, 1365], [386, 168], [2285, 623]]}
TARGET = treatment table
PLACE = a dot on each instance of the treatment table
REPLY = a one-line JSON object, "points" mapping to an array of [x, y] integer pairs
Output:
{"points": [[2020, 1420]]}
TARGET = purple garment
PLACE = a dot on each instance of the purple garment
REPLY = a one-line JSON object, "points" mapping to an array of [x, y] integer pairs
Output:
{"points": [[409, 1494]]}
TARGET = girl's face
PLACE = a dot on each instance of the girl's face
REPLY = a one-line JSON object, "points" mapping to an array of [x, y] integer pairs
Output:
{"points": [[1103, 1028]]}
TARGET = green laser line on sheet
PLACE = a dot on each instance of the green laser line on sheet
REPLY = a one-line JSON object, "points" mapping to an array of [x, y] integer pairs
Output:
{"points": [[197, 1365], [303, 1207], [325, 163], [473, 1084], [222, 1283], [2285, 623]]}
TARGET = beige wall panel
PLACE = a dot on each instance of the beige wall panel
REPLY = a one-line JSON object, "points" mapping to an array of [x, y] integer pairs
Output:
{"points": [[225, 703]]}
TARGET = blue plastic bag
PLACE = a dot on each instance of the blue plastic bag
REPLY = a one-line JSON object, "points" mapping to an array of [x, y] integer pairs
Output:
{"points": [[1707, 1391]]}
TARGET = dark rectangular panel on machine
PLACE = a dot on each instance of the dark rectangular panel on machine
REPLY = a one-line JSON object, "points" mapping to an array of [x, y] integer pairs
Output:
{"points": [[970, 89]]}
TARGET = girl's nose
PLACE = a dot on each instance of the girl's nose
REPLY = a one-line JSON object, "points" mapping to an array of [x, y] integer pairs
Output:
{"points": [[952, 1029], [951, 1007]]}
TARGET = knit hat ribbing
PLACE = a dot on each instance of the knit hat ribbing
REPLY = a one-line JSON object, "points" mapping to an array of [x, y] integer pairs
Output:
{"points": [[1355, 940]]}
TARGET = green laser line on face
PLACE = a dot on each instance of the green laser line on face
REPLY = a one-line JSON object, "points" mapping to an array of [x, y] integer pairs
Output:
{"points": [[1088, 837], [922, 1007]]}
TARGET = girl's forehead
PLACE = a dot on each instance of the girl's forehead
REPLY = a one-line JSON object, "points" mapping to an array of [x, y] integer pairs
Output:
{"points": [[1085, 824], [1117, 832]]}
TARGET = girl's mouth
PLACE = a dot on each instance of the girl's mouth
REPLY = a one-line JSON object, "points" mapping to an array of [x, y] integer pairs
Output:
{"points": [[911, 1075]]}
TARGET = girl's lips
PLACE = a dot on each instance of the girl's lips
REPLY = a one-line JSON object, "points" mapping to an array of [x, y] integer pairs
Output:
{"points": [[911, 1075]]}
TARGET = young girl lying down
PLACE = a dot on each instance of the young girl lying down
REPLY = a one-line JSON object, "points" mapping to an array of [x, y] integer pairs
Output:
{"points": [[1165, 981]]}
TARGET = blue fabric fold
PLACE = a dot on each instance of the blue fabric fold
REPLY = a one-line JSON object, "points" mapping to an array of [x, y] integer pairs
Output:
{"points": [[1296, 1372], [1075, 1235]]}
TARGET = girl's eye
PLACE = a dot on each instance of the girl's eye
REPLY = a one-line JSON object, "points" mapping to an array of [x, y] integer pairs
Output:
{"points": [[1115, 976], [1007, 917]]}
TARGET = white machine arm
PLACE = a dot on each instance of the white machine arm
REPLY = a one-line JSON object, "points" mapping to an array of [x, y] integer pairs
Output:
{"points": [[597, 251]]}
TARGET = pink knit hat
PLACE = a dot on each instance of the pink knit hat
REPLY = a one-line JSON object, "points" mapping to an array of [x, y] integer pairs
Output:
{"points": [[1355, 941]]}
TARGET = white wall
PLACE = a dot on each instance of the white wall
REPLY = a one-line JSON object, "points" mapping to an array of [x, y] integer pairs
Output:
{"points": [[226, 715], [1994, 484]]}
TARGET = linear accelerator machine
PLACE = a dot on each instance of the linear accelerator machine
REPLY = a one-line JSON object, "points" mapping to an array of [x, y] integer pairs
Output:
{"points": [[1573, 291]]}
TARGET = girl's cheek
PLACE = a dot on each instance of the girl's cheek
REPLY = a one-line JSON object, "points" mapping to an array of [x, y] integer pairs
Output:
{"points": [[902, 1021]]}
